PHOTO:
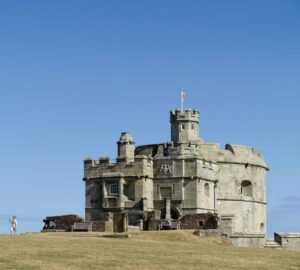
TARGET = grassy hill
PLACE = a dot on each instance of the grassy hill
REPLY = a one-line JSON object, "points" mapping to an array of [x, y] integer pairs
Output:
{"points": [[147, 250]]}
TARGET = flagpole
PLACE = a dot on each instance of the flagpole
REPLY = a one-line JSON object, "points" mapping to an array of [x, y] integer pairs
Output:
{"points": [[181, 99], [181, 102]]}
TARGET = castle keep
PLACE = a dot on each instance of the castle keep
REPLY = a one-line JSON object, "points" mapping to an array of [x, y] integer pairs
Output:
{"points": [[192, 183]]}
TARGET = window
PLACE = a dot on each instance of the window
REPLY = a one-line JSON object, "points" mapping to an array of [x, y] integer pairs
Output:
{"points": [[246, 188], [206, 189], [166, 192], [192, 126], [114, 189], [182, 126], [262, 227], [200, 224]]}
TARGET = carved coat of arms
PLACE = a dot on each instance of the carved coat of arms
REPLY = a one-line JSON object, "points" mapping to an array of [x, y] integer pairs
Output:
{"points": [[166, 169]]}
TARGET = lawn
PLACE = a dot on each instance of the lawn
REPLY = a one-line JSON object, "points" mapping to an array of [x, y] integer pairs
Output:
{"points": [[146, 250]]}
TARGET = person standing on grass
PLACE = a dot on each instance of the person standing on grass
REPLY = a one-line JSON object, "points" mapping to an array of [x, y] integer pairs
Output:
{"points": [[13, 228]]}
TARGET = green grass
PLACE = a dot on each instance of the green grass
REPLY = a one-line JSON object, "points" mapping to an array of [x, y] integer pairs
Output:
{"points": [[147, 250]]}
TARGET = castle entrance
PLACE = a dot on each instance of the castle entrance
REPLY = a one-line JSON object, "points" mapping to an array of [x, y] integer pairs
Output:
{"points": [[120, 221], [175, 213]]}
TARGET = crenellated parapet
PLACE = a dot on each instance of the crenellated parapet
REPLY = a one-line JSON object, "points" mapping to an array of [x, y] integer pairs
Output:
{"points": [[142, 166], [184, 125], [185, 176], [186, 115]]}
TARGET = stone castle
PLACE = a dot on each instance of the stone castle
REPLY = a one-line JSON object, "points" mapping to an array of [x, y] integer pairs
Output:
{"points": [[192, 183]]}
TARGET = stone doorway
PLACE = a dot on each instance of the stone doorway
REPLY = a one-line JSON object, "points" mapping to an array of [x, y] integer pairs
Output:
{"points": [[120, 221], [175, 213]]}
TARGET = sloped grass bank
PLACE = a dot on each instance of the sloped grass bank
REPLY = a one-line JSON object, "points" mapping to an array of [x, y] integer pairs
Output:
{"points": [[147, 250]]}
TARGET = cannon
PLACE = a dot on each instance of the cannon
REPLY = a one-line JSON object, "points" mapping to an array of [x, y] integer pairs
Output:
{"points": [[60, 223]]}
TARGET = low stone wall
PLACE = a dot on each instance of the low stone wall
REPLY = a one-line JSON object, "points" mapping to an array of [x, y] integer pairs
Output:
{"points": [[248, 240], [208, 233], [203, 221], [288, 240], [153, 224], [102, 226]]}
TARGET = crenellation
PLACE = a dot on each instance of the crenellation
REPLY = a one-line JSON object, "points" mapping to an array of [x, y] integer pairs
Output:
{"points": [[104, 161], [185, 176]]}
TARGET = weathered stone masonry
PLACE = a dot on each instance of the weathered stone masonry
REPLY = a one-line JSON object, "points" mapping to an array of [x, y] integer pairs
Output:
{"points": [[185, 176]]}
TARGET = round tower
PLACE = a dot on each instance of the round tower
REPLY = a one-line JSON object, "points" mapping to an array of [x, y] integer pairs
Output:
{"points": [[241, 194], [184, 125]]}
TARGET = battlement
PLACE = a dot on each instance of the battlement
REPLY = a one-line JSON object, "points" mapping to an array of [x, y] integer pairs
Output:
{"points": [[186, 115], [184, 125], [183, 179]]}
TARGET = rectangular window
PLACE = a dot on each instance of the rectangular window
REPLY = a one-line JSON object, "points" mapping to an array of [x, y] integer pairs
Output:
{"points": [[165, 192], [114, 189]]}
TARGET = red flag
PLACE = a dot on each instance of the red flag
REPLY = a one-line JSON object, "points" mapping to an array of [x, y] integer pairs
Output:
{"points": [[183, 94]]}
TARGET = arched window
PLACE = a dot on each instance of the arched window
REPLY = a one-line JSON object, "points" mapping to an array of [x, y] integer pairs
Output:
{"points": [[262, 227], [246, 188], [206, 189]]}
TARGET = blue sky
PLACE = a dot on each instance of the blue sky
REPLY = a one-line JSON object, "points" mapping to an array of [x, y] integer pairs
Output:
{"points": [[75, 74]]}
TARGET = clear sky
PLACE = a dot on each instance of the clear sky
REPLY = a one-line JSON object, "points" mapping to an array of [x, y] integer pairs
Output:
{"points": [[75, 74]]}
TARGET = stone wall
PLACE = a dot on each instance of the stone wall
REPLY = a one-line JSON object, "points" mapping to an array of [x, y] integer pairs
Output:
{"points": [[198, 177], [199, 221], [208, 233], [102, 226], [248, 208], [288, 240], [153, 224], [190, 195], [206, 195], [243, 240], [226, 224], [175, 186]]}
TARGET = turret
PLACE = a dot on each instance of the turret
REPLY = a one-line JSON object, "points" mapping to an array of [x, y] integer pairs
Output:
{"points": [[184, 125], [126, 147]]}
